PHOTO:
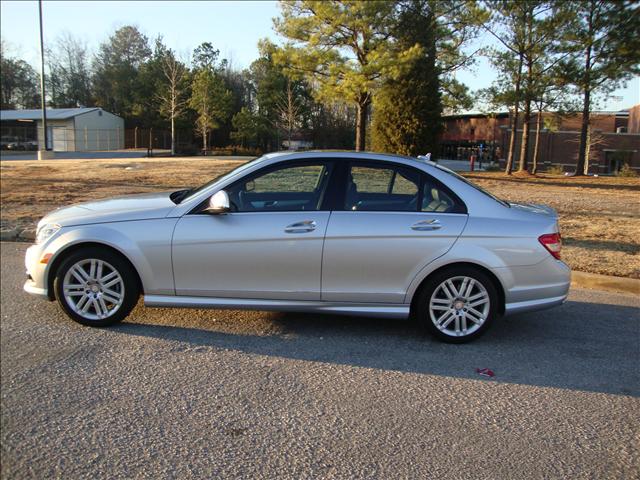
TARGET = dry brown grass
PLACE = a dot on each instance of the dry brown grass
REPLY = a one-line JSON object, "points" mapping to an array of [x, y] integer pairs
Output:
{"points": [[30, 189], [599, 217]]}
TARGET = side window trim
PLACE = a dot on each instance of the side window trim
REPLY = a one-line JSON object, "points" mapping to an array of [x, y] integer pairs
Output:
{"points": [[392, 182], [334, 194]]}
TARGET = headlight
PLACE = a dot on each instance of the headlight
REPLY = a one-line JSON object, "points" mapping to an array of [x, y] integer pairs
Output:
{"points": [[45, 232]]}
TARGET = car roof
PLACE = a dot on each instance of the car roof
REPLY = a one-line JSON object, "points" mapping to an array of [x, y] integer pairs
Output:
{"points": [[346, 154]]}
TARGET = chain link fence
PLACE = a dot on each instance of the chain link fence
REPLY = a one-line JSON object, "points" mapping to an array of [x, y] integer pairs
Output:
{"points": [[62, 139], [18, 140]]}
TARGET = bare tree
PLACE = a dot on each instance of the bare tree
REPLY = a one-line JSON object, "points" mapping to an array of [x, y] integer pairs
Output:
{"points": [[595, 141], [551, 96], [69, 78], [289, 111], [173, 101]]}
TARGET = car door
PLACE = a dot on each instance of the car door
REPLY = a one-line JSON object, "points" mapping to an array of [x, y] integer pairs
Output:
{"points": [[268, 247], [391, 221]]}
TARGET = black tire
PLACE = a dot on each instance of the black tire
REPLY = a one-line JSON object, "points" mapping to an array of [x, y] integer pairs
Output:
{"points": [[130, 287], [423, 312]]}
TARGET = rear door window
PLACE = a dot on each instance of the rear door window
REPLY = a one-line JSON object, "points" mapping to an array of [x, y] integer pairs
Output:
{"points": [[439, 199], [383, 187]]}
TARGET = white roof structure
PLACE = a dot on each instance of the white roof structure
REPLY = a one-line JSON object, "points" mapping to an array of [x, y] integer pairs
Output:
{"points": [[52, 113]]}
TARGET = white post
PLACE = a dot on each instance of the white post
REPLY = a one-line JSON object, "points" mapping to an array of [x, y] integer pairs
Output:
{"points": [[86, 139]]}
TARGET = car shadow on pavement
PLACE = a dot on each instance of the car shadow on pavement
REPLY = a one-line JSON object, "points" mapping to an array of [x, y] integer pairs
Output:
{"points": [[578, 346]]}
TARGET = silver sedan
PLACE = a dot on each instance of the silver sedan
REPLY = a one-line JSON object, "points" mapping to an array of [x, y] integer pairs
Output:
{"points": [[333, 232]]}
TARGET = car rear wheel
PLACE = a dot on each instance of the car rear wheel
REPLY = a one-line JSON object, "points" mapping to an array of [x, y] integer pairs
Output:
{"points": [[457, 305], [96, 287]]}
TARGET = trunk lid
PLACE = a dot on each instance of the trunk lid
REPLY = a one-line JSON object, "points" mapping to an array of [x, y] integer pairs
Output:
{"points": [[535, 208]]}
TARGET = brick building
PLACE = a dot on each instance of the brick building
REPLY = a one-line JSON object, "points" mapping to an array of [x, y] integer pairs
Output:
{"points": [[476, 134], [615, 139]]}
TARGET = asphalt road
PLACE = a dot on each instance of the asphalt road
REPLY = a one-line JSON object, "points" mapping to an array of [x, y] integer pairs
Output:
{"points": [[215, 394]]}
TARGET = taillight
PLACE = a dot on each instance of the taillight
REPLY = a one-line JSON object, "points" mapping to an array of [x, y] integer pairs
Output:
{"points": [[552, 242]]}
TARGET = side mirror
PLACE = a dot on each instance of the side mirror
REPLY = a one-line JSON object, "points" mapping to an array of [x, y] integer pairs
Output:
{"points": [[218, 203]]}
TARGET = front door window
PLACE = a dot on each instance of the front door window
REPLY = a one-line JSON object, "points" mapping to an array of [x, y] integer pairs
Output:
{"points": [[289, 189]]}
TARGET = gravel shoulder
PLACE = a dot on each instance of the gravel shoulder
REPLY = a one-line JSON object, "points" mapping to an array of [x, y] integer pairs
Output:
{"points": [[233, 394]]}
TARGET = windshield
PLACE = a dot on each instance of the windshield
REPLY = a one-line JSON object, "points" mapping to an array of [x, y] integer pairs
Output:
{"points": [[471, 184], [195, 191]]}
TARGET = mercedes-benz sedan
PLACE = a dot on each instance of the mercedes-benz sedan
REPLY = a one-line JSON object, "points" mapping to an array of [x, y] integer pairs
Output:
{"points": [[333, 232]]}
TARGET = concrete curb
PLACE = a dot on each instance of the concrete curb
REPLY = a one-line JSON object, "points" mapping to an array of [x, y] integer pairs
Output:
{"points": [[18, 235], [605, 282]]}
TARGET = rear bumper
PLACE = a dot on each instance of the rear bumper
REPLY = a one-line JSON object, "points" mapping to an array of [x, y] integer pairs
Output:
{"points": [[535, 287], [532, 305]]}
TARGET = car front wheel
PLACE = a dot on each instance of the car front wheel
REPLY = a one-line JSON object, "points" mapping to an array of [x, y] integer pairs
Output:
{"points": [[96, 288], [457, 305]]}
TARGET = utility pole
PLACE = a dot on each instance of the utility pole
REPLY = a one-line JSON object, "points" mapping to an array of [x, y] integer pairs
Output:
{"points": [[42, 155]]}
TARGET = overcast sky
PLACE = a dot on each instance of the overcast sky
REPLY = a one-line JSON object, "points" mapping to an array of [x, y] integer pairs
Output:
{"points": [[232, 27]]}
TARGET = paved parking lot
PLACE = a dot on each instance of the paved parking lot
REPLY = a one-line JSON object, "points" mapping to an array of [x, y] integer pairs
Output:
{"points": [[229, 394]]}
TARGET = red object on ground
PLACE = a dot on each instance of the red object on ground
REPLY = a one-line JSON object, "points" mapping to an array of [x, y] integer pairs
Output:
{"points": [[485, 372], [472, 162]]}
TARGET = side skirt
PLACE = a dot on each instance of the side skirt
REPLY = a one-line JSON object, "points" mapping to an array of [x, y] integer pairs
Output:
{"points": [[362, 309], [534, 305]]}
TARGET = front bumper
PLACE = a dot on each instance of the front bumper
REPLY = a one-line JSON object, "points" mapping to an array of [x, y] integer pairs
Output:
{"points": [[31, 288], [36, 283]]}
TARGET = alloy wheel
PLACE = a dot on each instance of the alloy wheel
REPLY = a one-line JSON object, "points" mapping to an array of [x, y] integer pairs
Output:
{"points": [[93, 289], [459, 306]]}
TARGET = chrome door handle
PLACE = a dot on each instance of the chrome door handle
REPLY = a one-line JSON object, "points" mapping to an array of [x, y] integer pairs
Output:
{"points": [[425, 225], [301, 227]]}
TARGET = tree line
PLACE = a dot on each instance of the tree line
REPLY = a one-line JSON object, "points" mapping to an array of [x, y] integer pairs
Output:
{"points": [[350, 74], [558, 56], [152, 86]]}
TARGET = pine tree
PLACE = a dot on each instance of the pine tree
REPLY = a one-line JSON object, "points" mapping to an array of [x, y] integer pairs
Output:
{"points": [[116, 68], [343, 46], [407, 111], [211, 100], [605, 40]]}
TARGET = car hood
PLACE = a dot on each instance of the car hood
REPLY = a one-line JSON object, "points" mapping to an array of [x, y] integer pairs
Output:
{"points": [[119, 209], [535, 208]]}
